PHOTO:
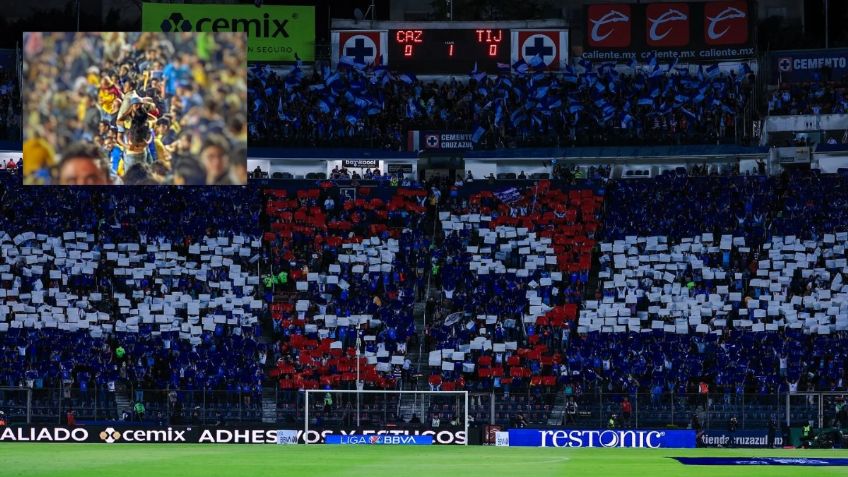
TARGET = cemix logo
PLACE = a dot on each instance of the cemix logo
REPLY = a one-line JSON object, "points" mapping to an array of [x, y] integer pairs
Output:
{"points": [[267, 27], [110, 435], [610, 25], [726, 23], [668, 24]]}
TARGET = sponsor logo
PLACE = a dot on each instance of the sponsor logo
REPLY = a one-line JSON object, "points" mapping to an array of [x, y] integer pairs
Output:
{"points": [[668, 24], [432, 140], [726, 23], [740, 439], [439, 437], [267, 27], [610, 25], [379, 439], [43, 434], [649, 439], [236, 436], [286, 437], [110, 435]]}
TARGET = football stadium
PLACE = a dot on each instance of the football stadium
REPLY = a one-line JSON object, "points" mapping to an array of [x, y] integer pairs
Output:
{"points": [[402, 237]]}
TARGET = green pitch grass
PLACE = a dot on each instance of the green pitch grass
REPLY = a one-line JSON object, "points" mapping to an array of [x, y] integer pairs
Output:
{"points": [[201, 460]]}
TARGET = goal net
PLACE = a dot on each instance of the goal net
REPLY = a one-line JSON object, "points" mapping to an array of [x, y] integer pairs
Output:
{"points": [[16, 404], [443, 414]]}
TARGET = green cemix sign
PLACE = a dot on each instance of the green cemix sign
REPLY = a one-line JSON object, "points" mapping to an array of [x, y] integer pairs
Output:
{"points": [[274, 33]]}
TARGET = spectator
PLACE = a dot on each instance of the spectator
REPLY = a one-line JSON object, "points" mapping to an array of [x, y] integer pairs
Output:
{"points": [[626, 410], [70, 418], [83, 164], [138, 409], [132, 95]]}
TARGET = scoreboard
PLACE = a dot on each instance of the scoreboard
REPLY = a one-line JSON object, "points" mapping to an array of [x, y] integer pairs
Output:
{"points": [[432, 48], [423, 50]]}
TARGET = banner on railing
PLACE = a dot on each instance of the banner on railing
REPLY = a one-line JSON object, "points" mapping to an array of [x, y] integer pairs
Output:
{"points": [[635, 438]]}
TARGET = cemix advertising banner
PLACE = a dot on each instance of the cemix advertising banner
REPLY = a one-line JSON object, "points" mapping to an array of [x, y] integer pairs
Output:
{"points": [[275, 33], [222, 435], [690, 31], [808, 65], [630, 438]]}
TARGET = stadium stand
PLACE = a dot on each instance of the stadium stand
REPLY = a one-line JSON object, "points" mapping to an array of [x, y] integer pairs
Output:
{"points": [[588, 105]]}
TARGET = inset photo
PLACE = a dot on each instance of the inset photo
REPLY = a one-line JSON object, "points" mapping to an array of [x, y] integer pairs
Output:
{"points": [[124, 108]]}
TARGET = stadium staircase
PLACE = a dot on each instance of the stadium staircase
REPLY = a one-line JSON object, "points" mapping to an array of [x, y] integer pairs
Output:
{"points": [[269, 394], [269, 405], [123, 400], [557, 415]]}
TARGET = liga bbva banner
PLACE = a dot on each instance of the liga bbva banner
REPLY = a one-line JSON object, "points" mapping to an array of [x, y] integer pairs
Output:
{"points": [[692, 32], [274, 33]]}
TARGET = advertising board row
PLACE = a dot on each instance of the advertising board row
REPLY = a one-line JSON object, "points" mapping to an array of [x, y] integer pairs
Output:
{"points": [[690, 31], [228, 435]]}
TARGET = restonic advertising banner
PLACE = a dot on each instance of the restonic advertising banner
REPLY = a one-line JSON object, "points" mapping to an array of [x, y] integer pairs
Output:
{"points": [[635, 438], [274, 33]]}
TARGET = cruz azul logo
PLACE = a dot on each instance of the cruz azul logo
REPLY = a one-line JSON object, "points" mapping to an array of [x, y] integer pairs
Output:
{"points": [[609, 25], [266, 27], [726, 23], [667, 24]]}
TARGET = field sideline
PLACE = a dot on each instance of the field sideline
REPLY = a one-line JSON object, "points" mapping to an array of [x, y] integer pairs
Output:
{"points": [[190, 460]]}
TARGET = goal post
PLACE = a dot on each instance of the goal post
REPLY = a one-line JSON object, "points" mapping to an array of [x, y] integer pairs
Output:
{"points": [[385, 410], [16, 404]]}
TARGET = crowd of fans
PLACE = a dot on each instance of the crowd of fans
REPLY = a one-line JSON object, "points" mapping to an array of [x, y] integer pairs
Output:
{"points": [[588, 105], [819, 97], [10, 97], [343, 270], [135, 108]]}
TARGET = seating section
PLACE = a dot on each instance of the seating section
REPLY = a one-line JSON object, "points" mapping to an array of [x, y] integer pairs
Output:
{"points": [[586, 105], [514, 265], [132, 294], [817, 97], [349, 267], [678, 205]]}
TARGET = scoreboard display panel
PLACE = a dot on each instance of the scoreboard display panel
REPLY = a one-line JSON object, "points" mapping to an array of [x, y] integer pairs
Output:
{"points": [[448, 51]]}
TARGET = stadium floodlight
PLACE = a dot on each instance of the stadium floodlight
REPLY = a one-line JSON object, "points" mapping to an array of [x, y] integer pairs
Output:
{"points": [[390, 406]]}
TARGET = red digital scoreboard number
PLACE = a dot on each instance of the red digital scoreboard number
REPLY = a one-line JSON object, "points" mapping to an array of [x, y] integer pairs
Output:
{"points": [[436, 51], [492, 38]]}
